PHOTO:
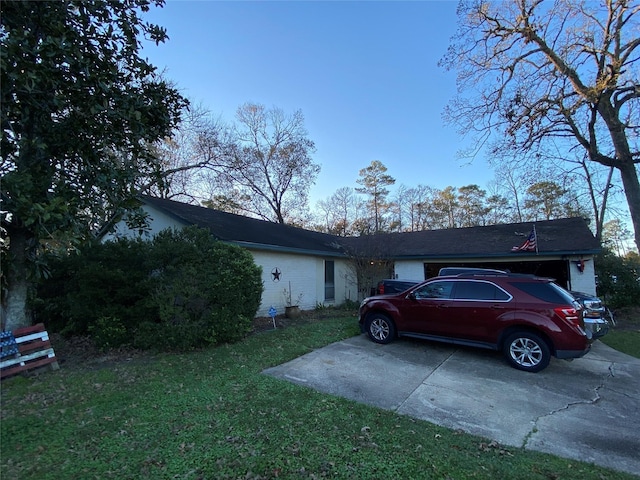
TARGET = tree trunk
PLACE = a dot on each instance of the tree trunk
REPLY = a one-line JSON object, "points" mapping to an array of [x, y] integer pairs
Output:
{"points": [[629, 176], [14, 305]]}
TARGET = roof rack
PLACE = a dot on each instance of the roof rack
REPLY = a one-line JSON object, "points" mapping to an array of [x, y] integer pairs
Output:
{"points": [[502, 275], [496, 274]]}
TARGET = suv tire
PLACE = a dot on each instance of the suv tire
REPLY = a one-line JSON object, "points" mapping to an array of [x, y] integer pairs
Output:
{"points": [[527, 351], [380, 328]]}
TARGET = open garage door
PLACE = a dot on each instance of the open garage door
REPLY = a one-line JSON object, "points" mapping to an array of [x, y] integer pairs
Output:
{"points": [[556, 269]]}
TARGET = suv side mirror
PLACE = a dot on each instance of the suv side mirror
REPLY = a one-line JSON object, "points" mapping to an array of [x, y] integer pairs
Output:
{"points": [[411, 296]]}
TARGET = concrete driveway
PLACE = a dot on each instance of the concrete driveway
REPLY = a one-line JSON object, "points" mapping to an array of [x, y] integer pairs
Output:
{"points": [[587, 409]]}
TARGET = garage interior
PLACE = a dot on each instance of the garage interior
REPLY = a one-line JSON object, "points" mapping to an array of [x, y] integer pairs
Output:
{"points": [[556, 269]]}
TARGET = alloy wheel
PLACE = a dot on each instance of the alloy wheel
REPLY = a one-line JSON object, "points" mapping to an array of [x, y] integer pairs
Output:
{"points": [[526, 352], [379, 329]]}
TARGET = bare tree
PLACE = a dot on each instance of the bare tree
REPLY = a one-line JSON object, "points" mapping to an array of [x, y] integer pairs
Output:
{"points": [[511, 180], [196, 144], [338, 212], [398, 208], [500, 210], [589, 185], [422, 217], [266, 164], [369, 261], [412, 205], [565, 72]]}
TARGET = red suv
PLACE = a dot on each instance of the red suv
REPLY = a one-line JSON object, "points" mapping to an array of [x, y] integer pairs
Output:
{"points": [[528, 318]]}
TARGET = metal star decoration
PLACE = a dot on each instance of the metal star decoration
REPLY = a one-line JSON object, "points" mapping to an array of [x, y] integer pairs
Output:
{"points": [[276, 274]]}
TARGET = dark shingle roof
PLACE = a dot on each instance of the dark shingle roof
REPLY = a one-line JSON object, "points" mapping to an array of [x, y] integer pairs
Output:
{"points": [[569, 236], [249, 231], [556, 237]]}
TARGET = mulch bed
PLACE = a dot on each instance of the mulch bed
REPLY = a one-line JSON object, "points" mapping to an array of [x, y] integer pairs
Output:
{"points": [[81, 350], [627, 318]]}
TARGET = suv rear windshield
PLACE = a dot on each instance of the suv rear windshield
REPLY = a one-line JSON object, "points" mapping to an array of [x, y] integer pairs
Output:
{"points": [[547, 292]]}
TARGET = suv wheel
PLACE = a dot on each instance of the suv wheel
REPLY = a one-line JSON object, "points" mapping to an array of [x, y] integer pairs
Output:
{"points": [[527, 351], [380, 328]]}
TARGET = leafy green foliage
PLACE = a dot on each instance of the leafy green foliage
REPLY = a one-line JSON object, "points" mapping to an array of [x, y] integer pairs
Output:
{"points": [[109, 332], [213, 414], [618, 278], [202, 285], [181, 291], [109, 280], [80, 113]]}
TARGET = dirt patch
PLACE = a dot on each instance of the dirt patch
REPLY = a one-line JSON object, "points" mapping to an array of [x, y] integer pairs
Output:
{"points": [[627, 318], [82, 351], [262, 324]]}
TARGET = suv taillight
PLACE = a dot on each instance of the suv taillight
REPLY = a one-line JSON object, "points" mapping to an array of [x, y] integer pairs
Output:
{"points": [[381, 289], [570, 315]]}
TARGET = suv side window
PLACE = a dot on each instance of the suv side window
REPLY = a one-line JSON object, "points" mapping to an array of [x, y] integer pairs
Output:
{"points": [[476, 290], [546, 292], [440, 290]]}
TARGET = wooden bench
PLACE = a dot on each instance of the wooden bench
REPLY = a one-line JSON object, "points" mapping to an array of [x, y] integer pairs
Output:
{"points": [[24, 349]]}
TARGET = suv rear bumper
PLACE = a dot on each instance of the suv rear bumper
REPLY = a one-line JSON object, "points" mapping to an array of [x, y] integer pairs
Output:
{"points": [[565, 354]]}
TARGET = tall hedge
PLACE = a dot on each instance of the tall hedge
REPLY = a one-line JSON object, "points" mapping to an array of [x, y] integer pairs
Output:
{"points": [[183, 290], [108, 280], [206, 292]]}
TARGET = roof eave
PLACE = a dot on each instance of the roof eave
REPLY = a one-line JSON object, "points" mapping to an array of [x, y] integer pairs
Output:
{"points": [[523, 255], [281, 249]]}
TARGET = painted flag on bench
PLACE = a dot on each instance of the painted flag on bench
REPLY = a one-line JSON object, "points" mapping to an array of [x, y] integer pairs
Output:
{"points": [[8, 345]]}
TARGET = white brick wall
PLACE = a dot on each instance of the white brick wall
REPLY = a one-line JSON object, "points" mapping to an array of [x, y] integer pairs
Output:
{"points": [[305, 274], [158, 221], [584, 281], [298, 271]]}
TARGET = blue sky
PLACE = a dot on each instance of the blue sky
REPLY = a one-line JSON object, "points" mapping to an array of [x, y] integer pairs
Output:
{"points": [[364, 74]]}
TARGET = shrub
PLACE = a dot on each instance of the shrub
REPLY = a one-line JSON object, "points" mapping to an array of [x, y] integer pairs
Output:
{"points": [[202, 285], [109, 332], [103, 280], [183, 290], [350, 305], [618, 278]]}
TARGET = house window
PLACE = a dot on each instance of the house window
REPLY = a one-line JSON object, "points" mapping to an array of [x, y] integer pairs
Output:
{"points": [[329, 283]]}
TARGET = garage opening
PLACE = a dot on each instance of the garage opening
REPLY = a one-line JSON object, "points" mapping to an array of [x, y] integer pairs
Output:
{"points": [[556, 269]]}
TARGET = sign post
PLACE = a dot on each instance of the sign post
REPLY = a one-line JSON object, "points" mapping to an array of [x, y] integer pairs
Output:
{"points": [[272, 314]]}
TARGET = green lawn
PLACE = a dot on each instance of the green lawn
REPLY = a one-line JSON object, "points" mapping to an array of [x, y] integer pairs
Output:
{"points": [[213, 415], [626, 341], [625, 335]]}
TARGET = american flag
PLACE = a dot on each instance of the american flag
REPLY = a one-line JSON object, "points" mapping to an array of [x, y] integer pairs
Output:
{"points": [[529, 245]]}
